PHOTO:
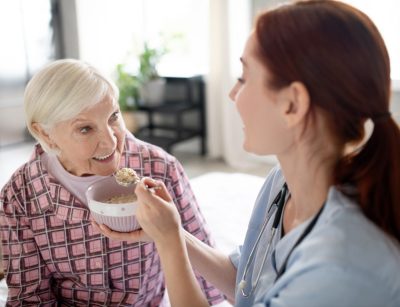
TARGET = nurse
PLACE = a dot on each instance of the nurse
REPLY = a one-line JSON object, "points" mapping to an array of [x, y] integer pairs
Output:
{"points": [[325, 229]]}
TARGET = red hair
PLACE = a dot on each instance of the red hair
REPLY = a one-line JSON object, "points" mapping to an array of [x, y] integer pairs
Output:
{"points": [[339, 55]]}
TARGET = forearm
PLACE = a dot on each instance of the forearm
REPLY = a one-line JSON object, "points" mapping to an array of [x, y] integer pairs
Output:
{"points": [[212, 264], [181, 281]]}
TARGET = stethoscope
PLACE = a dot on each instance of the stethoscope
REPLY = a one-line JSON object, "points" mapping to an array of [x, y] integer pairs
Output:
{"points": [[280, 202]]}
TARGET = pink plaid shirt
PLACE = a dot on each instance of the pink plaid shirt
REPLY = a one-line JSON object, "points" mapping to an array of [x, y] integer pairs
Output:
{"points": [[53, 256]]}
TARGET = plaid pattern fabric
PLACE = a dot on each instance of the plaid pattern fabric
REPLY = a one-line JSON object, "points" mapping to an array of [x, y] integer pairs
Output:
{"points": [[52, 256]]}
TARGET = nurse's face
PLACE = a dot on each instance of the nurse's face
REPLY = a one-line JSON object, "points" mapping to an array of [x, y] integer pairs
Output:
{"points": [[259, 107], [92, 142]]}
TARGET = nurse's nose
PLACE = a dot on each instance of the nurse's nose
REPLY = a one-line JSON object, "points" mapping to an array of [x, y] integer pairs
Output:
{"points": [[233, 92]]}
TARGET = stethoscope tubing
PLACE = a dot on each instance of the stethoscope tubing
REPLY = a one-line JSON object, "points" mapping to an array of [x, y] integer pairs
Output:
{"points": [[280, 202]]}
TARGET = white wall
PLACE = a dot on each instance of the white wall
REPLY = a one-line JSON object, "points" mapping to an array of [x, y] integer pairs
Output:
{"points": [[69, 24]]}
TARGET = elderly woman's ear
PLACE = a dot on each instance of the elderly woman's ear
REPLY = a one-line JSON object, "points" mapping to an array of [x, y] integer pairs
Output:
{"points": [[44, 135]]}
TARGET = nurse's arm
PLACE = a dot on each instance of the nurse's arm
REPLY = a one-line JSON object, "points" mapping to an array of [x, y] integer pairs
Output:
{"points": [[180, 279], [212, 264], [159, 218]]}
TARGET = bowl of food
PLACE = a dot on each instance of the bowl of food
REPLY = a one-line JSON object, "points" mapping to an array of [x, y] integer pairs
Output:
{"points": [[113, 205]]}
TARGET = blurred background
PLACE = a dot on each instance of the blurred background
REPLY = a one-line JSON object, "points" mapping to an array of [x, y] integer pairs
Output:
{"points": [[196, 45], [191, 49]]}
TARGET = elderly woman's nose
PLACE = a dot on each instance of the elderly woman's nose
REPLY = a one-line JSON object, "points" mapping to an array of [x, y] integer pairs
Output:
{"points": [[108, 137]]}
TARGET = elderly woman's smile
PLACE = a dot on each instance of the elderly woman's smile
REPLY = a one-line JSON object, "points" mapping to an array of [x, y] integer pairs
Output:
{"points": [[105, 158], [91, 143]]}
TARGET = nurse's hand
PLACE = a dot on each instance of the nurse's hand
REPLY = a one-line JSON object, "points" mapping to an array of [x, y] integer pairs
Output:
{"points": [[156, 213]]}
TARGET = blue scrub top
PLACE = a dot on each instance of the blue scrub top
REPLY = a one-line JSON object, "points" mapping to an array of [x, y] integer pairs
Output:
{"points": [[345, 261]]}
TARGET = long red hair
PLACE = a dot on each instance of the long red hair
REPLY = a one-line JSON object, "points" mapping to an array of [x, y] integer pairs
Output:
{"points": [[339, 55]]}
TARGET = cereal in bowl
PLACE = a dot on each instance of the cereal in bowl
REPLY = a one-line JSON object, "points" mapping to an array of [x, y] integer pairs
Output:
{"points": [[122, 199]]}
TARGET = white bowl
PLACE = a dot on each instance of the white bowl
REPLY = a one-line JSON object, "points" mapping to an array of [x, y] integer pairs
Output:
{"points": [[117, 216]]}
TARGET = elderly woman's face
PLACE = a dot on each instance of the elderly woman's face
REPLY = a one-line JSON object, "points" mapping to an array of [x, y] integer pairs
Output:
{"points": [[92, 142]]}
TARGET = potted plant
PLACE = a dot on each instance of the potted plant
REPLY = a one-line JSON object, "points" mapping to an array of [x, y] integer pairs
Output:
{"points": [[144, 86], [128, 89], [151, 87], [128, 96]]}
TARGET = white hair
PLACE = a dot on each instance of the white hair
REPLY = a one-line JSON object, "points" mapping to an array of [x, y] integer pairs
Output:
{"points": [[62, 90]]}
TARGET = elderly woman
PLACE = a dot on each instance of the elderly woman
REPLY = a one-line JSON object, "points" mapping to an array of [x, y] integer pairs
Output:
{"points": [[52, 254]]}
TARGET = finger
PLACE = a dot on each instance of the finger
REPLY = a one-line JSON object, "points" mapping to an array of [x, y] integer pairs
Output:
{"points": [[133, 236], [162, 191], [146, 184]]}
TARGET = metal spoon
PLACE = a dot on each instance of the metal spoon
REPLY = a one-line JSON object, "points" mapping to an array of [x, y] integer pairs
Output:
{"points": [[126, 177]]}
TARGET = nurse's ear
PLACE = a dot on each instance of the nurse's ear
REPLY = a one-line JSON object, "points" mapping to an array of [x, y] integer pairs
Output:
{"points": [[295, 103], [44, 135]]}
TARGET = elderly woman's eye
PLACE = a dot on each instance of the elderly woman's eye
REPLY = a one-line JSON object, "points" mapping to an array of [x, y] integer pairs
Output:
{"points": [[114, 116], [85, 130]]}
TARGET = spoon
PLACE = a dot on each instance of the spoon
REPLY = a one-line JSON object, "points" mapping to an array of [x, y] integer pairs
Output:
{"points": [[126, 177]]}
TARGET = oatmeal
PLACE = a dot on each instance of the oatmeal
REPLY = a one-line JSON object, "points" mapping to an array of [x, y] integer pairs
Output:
{"points": [[121, 199], [126, 176]]}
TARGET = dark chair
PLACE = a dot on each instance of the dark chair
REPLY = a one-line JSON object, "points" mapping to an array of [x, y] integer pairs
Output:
{"points": [[181, 116]]}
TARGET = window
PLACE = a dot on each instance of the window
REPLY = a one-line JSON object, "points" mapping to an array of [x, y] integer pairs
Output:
{"points": [[113, 31]]}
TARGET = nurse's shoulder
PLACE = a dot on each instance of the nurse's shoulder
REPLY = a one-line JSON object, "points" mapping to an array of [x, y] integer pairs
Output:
{"points": [[347, 257]]}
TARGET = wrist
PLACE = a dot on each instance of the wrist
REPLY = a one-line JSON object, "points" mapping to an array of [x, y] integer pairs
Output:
{"points": [[173, 242]]}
